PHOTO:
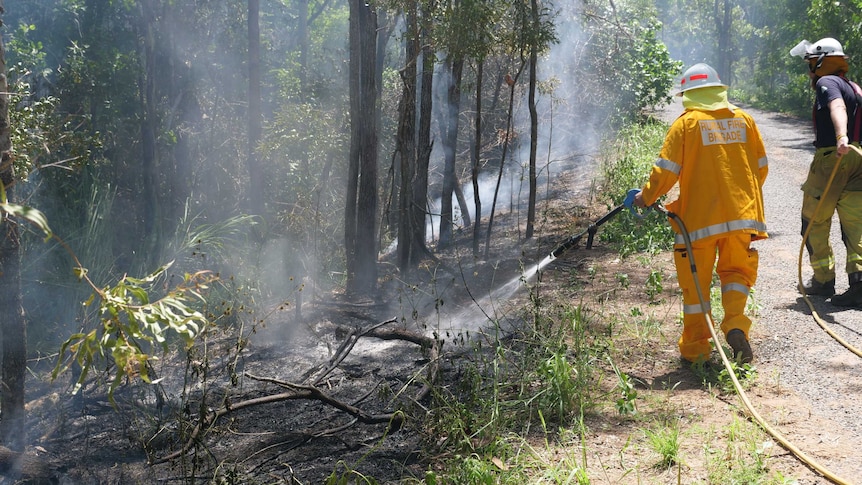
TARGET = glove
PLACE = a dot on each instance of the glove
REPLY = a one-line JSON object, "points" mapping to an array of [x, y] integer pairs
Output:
{"points": [[630, 202], [630, 198]]}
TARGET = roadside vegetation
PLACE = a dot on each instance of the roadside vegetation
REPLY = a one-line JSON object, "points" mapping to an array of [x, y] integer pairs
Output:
{"points": [[527, 409]]}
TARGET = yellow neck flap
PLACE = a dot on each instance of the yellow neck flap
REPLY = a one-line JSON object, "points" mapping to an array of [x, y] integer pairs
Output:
{"points": [[707, 99]]}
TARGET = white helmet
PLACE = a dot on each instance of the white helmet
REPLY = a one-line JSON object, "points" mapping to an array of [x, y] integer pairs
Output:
{"points": [[699, 76], [826, 46]]}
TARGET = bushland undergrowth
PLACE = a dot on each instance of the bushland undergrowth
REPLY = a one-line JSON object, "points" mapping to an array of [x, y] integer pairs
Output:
{"points": [[528, 408], [587, 389]]}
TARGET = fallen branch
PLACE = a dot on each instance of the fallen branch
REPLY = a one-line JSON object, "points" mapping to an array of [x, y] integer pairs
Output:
{"points": [[312, 392], [432, 346], [343, 351], [300, 391]]}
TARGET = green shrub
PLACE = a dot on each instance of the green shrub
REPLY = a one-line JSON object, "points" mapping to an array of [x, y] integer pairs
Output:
{"points": [[626, 167]]}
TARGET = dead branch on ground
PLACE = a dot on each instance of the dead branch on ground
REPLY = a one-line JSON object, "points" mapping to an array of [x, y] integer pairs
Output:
{"points": [[298, 391]]}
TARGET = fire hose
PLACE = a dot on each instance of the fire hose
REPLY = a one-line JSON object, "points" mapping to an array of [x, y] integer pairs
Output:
{"points": [[814, 313], [590, 232], [629, 200], [730, 371]]}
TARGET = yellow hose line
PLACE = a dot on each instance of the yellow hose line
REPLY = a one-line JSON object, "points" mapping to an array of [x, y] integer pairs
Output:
{"points": [[814, 313], [762, 422], [742, 396]]}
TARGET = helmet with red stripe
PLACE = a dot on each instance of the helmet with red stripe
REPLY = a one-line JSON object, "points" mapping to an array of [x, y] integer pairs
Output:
{"points": [[699, 76]]}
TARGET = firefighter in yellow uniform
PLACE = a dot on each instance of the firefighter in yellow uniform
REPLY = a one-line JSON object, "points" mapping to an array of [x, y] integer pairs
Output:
{"points": [[715, 152]]}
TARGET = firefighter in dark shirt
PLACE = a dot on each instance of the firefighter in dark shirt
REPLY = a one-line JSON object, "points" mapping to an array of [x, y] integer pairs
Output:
{"points": [[834, 109]]}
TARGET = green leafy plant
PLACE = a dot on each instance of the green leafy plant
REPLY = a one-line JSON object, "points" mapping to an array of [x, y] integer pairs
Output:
{"points": [[644, 325], [625, 167], [626, 403], [744, 458], [639, 59], [654, 285], [745, 374], [623, 280], [752, 306], [478, 470], [128, 318], [560, 391]]}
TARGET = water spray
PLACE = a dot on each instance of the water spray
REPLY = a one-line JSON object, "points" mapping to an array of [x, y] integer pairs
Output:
{"points": [[506, 290]]}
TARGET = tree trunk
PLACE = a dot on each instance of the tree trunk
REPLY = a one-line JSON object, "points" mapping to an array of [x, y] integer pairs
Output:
{"points": [[149, 157], [450, 145], [462, 202], [477, 153], [503, 156], [183, 95], [14, 331], [255, 129], [723, 21], [534, 125], [386, 26], [302, 33], [361, 202], [367, 202], [350, 207], [12, 325], [420, 180], [406, 255]]}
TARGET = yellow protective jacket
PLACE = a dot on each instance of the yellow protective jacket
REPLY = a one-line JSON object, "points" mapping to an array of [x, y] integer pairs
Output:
{"points": [[720, 162]]}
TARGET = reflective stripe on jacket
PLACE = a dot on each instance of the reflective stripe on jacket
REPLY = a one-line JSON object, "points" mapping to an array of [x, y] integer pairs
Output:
{"points": [[720, 162]]}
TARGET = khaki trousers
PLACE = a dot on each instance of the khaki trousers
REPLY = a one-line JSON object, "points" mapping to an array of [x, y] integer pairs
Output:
{"points": [[844, 197]]}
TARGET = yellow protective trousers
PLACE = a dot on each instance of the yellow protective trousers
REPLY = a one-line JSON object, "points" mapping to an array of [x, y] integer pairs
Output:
{"points": [[845, 197], [737, 271]]}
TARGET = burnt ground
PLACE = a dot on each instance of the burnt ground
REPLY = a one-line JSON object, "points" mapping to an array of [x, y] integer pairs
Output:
{"points": [[807, 386]]}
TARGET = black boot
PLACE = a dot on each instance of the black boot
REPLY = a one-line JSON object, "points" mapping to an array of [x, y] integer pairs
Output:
{"points": [[817, 288], [850, 298], [741, 348]]}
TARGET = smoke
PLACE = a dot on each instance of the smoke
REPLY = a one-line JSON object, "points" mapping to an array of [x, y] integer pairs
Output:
{"points": [[212, 177], [568, 128]]}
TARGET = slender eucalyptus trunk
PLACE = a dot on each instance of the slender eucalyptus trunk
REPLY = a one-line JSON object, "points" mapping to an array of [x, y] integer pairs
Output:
{"points": [[507, 135], [450, 145], [255, 124], [13, 327], [420, 180], [722, 10], [407, 251], [149, 155], [477, 161], [534, 127]]}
